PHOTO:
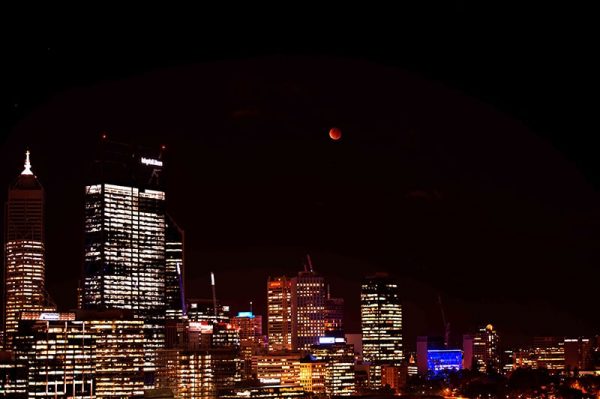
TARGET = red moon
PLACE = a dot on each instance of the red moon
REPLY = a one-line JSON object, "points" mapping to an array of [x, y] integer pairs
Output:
{"points": [[335, 133]]}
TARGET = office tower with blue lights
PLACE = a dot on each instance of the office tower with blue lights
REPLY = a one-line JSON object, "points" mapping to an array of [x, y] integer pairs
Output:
{"points": [[24, 251], [381, 324]]}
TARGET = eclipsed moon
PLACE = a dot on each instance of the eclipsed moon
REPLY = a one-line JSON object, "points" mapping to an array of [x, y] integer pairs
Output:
{"points": [[335, 133]]}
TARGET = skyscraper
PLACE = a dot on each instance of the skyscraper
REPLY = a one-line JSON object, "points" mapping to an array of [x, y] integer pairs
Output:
{"points": [[279, 313], [125, 225], [381, 322], [308, 308], [24, 249], [130, 247]]}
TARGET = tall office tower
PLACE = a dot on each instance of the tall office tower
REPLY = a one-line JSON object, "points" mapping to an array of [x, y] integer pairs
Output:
{"points": [[174, 288], [308, 308], [481, 350], [125, 234], [381, 323], [24, 251], [334, 316], [279, 313], [60, 355], [125, 261]]}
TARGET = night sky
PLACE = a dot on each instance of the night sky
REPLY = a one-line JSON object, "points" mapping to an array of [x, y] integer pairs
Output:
{"points": [[466, 168]]}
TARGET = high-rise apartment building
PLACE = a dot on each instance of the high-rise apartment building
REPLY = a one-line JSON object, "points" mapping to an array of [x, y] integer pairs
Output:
{"points": [[24, 251], [381, 323], [279, 313]]}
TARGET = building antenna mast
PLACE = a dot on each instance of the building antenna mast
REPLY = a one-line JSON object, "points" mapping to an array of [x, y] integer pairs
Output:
{"points": [[446, 324], [214, 293]]}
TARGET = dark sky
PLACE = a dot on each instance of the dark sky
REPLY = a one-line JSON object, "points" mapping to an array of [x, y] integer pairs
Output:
{"points": [[467, 165]]}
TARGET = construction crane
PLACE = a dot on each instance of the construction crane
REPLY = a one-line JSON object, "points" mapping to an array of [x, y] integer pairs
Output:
{"points": [[446, 323]]}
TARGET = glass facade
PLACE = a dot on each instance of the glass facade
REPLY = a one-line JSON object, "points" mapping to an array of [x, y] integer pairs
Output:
{"points": [[124, 249], [439, 360], [381, 324]]}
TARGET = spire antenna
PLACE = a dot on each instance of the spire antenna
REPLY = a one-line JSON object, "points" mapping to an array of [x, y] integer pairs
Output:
{"points": [[27, 170], [309, 263]]}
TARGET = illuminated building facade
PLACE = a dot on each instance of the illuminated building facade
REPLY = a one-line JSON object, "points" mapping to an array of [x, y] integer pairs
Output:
{"points": [[279, 313], [119, 352], [550, 352], [545, 353], [127, 262], [24, 251], [13, 377], [442, 360], [339, 371], [312, 376], [248, 325], [308, 308], [188, 373], [481, 350], [270, 391], [381, 324], [201, 310], [60, 355], [174, 276], [125, 249], [278, 368], [424, 345]]}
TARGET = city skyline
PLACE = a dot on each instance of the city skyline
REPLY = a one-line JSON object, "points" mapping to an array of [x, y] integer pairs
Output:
{"points": [[330, 247], [449, 169]]}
